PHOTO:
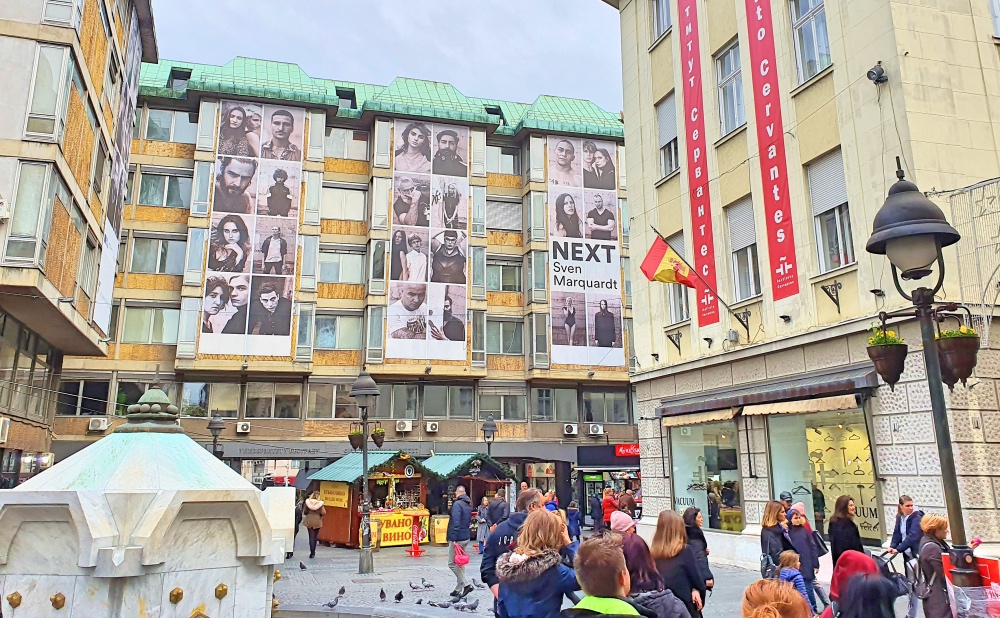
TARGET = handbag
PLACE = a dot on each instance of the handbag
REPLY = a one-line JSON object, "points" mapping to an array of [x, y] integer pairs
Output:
{"points": [[768, 570], [821, 547], [903, 586], [461, 558]]}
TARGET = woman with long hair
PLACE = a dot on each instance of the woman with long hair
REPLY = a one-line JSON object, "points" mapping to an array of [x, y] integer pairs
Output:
{"points": [[772, 598], [216, 298], [482, 523], [230, 245], [774, 531], [313, 512], [675, 562], [850, 564], [843, 531], [693, 522], [641, 568], [870, 596], [235, 138], [608, 505], [569, 320], [397, 256], [603, 176], [567, 217], [532, 577], [414, 153]]}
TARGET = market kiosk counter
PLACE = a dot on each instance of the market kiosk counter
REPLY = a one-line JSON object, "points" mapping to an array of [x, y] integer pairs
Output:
{"points": [[396, 527]]}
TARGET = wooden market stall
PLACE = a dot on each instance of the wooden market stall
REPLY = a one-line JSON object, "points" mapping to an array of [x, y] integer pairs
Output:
{"points": [[480, 474], [398, 487]]}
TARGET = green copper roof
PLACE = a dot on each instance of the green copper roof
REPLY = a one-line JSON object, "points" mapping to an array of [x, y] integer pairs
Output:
{"points": [[264, 79], [447, 465]]}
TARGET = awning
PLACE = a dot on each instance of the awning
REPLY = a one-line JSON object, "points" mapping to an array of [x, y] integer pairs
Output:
{"points": [[348, 468], [448, 465], [825, 383], [819, 404], [699, 417]]}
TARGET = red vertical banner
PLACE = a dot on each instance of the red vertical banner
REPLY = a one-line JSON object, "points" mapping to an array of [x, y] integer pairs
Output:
{"points": [[697, 169], [771, 150]]}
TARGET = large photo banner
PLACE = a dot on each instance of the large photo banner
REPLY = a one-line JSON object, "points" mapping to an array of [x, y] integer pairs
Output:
{"points": [[585, 254], [250, 272], [429, 246]]}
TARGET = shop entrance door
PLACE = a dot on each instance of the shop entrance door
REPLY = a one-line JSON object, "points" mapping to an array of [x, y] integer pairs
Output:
{"points": [[592, 483]]}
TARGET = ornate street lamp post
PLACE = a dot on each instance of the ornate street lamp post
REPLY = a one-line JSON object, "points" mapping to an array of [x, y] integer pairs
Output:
{"points": [[365, 392], [215, 426], [489, 432], [910, 230]]}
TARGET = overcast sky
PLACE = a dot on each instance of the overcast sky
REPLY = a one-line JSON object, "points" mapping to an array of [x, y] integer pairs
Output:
{"points": [[513, 50]]}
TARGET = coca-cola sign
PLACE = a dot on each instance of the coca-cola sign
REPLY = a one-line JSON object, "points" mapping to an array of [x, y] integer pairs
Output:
{"points": [[626, 450]]}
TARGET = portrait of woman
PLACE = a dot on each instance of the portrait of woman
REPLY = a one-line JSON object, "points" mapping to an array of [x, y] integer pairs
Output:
{"points": [[569, 320], [397, 255], [603, 175], [230, 246], [216, 298], [414, 152], [236, 132], [567, 217]]}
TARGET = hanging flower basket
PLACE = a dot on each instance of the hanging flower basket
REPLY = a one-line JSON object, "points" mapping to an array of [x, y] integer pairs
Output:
{"points": [[888, 353], [357, 439], [958, 352], [378, 436]]}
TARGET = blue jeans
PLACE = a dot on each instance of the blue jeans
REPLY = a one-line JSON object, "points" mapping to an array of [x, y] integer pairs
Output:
{"points": [[811, 594]]}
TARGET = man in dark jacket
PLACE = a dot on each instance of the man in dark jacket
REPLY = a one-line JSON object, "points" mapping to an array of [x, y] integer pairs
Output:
{"points": [[499, 509], [906, 540], [504, 537], [458, 533], [597, 512]]}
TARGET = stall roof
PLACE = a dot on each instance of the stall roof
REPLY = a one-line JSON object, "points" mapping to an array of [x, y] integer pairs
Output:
{"points": [[348, 468], [447, 465]]}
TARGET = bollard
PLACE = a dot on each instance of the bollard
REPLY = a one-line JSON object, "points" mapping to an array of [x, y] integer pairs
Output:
{"points": [[415, 530]]}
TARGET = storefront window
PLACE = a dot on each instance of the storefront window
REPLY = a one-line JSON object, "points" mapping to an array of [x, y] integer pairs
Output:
{"points": [[821, 456], [706, 473]]}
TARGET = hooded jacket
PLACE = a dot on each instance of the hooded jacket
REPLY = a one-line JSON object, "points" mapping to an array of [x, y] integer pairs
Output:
{"points": [[461, 518], [313, 513], [533, 586], [573, 521], [794, 577], [850, 563], [662, 604], [500, 541]]}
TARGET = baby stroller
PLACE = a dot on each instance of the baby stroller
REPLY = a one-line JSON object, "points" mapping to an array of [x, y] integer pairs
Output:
{"points": [[888, 570]]}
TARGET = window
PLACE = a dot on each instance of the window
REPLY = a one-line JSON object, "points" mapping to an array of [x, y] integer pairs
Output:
{"points": [[627, 277], [63, 12], [129, 393], [188, 326], [537, 275], [304, 336], [398, 401], [49, 96], [828, 194], [376, 283], [661, 17], [376, 329], [503, 277], [383, 146], [37, 186], [338, 332], [111, 78], [150, 325], [536, 216], [448, 401], [605, 407], [194, 399], [730, 89], [501, 160], [83, 397], [158, 256], [555, 404], [743, 246], [328, 401], [706, 472], [195, 255], [478, 255], [102, 165], [536, 158], [502, 407], [87, 277], [812, 45], [179, 79], [202, 182], [224, 400], [313, 200], [623, 217], [478, 338], [677, 295], [478, 211], [164, 125], [381, 191], [206, 125], [267, 400], [341, 267], [666, 125], [343, 204], [347, 98], [504, 216], [995, 12], [504, 337], [496, 111], [538, 336], [162, 190]]}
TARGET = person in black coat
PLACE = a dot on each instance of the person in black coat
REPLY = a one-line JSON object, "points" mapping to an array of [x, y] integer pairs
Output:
{"points": [[675, 562], [693, 521], [774, 531], [843, 531], [459, 534], [802, 541], [499, 509], [597, 512]]}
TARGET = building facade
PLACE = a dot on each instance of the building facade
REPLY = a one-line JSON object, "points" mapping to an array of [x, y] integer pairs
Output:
{"points": [[282, 232], [69, 82], [760, 147]]}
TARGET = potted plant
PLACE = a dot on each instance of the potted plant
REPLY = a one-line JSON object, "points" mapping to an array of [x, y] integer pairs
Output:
{"points": [[888, 353], [958, 350], [378, 436], [356, 438]]}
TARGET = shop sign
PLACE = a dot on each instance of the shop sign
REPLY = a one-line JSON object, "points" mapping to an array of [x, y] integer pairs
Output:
{"points": [[697, 162], [771, 150], [334, 494], [398, 530], [409, 471], [594, 478], [540, 470], [626, 450]]}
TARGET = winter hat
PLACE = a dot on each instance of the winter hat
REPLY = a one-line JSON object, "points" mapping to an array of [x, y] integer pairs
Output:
{"points": [[621, 522], [785, 496]]}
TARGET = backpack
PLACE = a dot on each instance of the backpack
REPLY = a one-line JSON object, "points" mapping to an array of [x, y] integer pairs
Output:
{"points": [[922, 587]]}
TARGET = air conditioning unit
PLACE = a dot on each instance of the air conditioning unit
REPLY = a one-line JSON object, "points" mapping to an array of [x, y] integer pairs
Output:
{"points": [[243, 427], [404, 426], [595, 430], [97, 424], [571, 429], [4, 429], [432, 426]]}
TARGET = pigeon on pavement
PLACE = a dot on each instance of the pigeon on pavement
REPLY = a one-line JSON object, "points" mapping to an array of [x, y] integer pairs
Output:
{"points": [[415, 586], [419, 602], [333, 603], [399, 596], [477, 584], [302, 567], [381, 594], [342, 591], [426, 583], [472, 606]]}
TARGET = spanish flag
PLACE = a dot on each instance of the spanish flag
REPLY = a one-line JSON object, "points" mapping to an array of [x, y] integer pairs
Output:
{"points": [[663, 264]]}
